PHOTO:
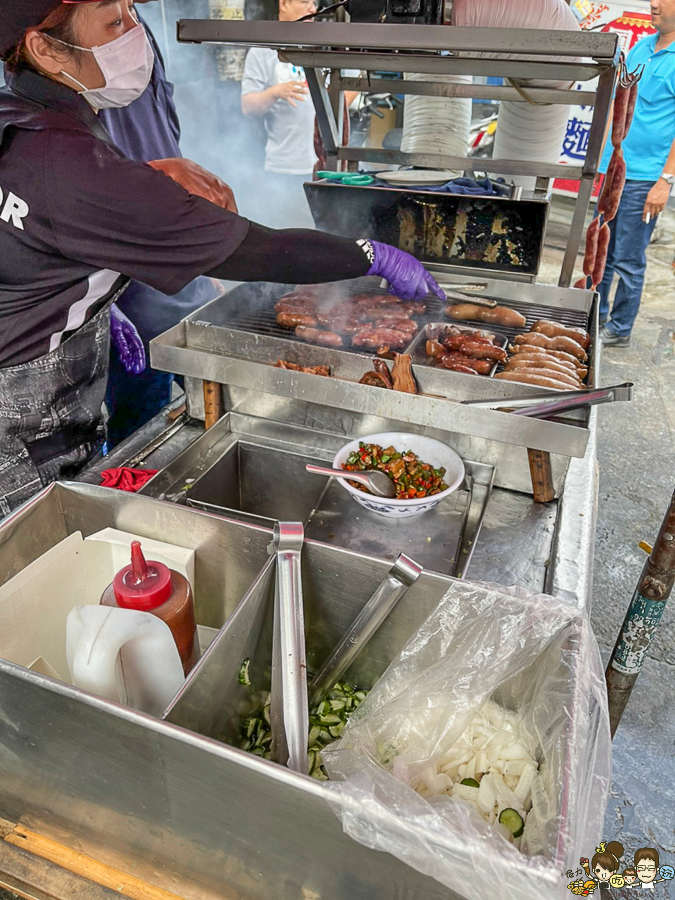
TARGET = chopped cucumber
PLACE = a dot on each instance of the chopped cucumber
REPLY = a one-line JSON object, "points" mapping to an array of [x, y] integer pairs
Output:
{"points": [[513, 821], [327, 723], [242, 677], [332, 719], [470, 782]]}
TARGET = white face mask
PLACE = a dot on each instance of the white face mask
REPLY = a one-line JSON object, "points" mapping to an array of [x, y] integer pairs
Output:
{"points": [[126, 64]]}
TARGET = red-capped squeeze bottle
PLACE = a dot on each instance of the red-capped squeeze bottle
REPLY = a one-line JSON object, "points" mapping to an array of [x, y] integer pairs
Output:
{"points": [[155, 588]]}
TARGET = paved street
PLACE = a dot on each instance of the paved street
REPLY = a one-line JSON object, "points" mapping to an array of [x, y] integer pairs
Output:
{"points": [[636, 457]]}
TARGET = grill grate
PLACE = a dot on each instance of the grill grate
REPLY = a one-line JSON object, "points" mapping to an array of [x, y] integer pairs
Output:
{"points": [[254, 312], [251, 309]]}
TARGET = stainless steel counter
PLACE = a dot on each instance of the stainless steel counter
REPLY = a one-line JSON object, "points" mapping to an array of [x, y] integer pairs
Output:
{"points": [[544, 547]]}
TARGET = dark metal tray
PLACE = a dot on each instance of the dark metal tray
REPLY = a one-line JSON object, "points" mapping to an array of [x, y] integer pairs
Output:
{"points": [[417, 349]]}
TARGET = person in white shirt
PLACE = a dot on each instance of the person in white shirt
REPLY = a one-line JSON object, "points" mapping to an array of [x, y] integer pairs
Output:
{"points": [[278, 91]]}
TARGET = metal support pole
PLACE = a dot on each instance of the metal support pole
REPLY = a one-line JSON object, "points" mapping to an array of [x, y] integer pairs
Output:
{"points": [[576, 231], [596, 135], [328, 126], [642, 619], [337, 102]]}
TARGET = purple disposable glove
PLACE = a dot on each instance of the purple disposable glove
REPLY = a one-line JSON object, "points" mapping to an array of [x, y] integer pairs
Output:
{"points": [[407, 277], [127, 341]]}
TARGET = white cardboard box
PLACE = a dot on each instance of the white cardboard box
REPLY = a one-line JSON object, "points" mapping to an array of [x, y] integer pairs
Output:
{"points": [[34, 605]]}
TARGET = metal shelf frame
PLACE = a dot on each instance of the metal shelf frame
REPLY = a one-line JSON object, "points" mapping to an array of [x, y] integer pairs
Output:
{"points": [[547, 56]]}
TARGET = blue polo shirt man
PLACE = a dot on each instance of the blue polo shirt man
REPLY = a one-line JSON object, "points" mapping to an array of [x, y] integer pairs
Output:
{"points": [[649, 151]]}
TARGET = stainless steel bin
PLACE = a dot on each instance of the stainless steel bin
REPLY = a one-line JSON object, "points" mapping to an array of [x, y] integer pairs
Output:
{"points": [[177, 808]]}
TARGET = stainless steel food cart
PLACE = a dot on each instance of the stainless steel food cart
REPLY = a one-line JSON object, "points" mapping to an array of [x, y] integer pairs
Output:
{"points": [[174, 806]]}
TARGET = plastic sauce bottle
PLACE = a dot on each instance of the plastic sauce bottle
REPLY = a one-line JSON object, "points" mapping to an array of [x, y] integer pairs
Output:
{"points": [[155, 588]]}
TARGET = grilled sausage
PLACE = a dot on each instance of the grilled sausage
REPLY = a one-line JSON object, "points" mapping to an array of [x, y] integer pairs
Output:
{"points": [[373, 299], [568, 378], [476, 350], [553, 343], [370, 313], [615, 192], [347, 326], [295, 306], [373, 338], [555, 329], [545, 361], [330, 313], [632, 100], [406, 325], [557, 354], [316, 336], [459, 367], [621, 100], [293, 319], [497, 315], [607, 183], [580, 284], [601, 259], [452, 360], [591, 246], [534, 378]]}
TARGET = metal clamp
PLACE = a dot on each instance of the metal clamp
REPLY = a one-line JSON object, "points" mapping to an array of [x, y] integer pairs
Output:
{"points": [[289, 713], [400, 577]]}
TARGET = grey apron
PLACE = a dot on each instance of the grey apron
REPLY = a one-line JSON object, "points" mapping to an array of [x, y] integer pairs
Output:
{"points": [[51, 418]]}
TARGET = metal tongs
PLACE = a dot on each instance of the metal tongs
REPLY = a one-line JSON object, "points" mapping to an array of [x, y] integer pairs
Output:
{"points": [[400, 577], [289, 712], [552, 404]]}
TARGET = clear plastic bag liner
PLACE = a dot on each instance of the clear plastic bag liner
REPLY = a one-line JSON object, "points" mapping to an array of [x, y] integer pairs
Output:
{"points": [[531, 654]]}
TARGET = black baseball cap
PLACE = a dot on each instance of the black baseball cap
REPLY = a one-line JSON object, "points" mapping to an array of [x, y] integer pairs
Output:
{"points": [[17, 16]]}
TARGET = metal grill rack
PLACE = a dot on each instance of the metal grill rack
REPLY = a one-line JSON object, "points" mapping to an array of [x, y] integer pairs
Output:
{"points": [[251, 309]]}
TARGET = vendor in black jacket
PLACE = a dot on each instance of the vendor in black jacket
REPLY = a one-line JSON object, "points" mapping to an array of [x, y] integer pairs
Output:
{"points": [[78, 219]]}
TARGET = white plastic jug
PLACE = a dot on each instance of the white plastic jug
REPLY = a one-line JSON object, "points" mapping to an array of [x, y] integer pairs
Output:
{"points": [[123, 655]]}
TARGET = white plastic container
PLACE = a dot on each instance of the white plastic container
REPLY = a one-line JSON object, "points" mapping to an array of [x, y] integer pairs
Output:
{"points": [[123, 655]]}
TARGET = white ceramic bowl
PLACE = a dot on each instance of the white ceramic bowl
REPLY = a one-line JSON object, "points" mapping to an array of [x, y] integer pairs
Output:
{"points": [[428, 450]]}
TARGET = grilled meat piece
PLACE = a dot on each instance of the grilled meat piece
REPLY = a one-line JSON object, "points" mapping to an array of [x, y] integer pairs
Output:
{"points": [[316, 336], [310, 370], [402, 375], [293, 319], [382, 369], [374, 379]]}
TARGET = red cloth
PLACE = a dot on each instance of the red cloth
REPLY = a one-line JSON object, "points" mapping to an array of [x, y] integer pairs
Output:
{"points": [[125, 479]]}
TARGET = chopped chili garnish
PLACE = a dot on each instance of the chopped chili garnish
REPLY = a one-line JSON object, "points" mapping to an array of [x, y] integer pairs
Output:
{"points": [[412, 478]]}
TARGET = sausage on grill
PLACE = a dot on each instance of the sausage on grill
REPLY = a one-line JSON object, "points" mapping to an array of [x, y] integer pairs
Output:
{"points": [[555, 329], [497, 315], [316, 336], [567, 345], [293, 319]]}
